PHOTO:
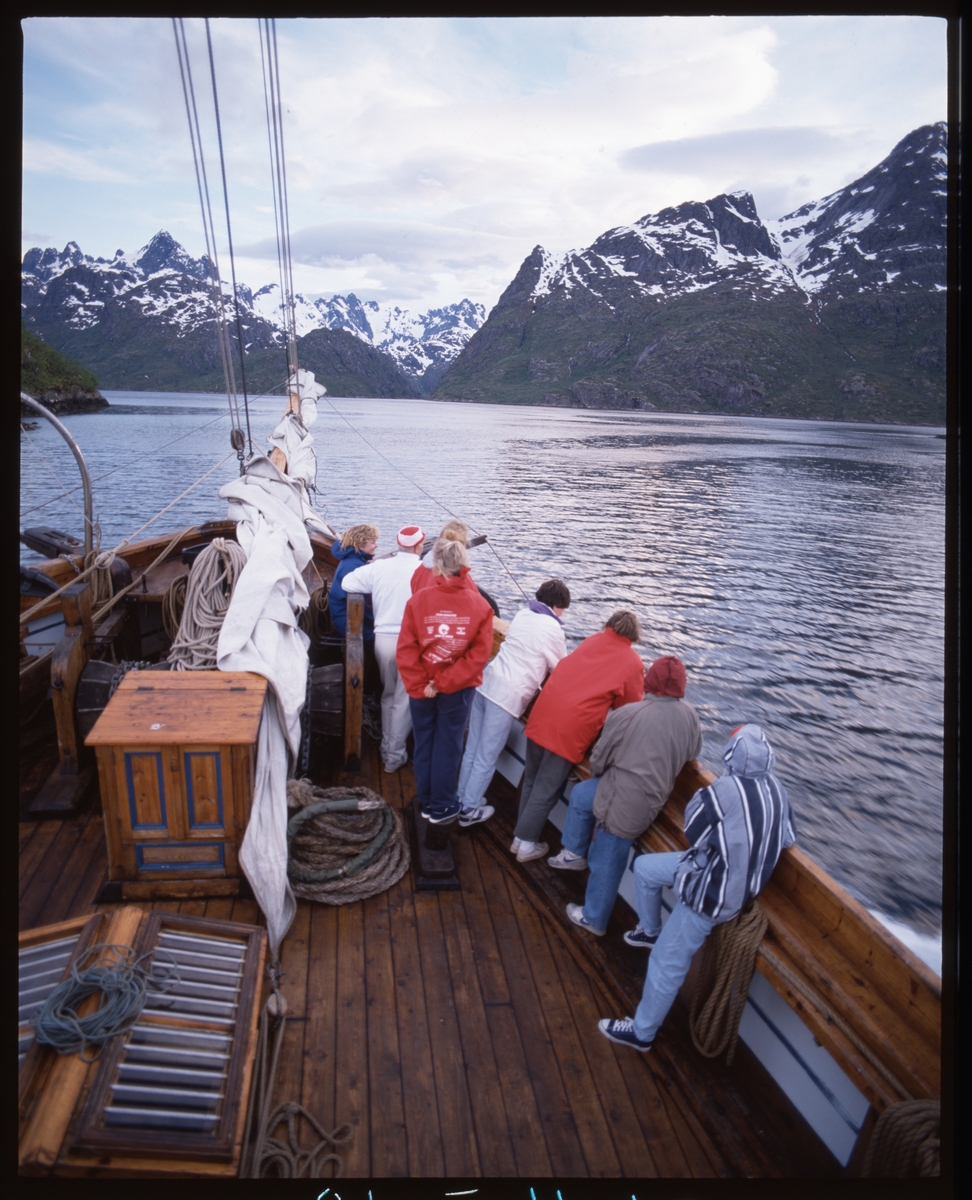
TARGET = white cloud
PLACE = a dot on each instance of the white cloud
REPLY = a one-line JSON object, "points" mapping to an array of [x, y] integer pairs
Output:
{"points": [[45, 158]]}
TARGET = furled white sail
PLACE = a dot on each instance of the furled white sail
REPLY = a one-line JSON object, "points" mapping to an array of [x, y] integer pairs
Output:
{"points": [[292, 434]]}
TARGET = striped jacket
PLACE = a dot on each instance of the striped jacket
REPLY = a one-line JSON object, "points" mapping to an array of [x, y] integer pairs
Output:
{"points": [[737, 828]]}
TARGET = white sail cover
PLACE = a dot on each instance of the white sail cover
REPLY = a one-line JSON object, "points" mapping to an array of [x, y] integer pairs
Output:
{"points": [[260, 634], [292, 436]]}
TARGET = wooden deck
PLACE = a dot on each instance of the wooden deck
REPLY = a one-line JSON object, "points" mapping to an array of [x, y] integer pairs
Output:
{"points": [[457, 1031]]}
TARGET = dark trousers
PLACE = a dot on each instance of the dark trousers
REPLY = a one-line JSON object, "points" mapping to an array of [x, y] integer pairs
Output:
{"points": [[438, 725], [543, 779]]}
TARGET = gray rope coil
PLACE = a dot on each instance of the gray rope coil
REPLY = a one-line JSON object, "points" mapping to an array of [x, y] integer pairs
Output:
{"points": [[344, 844], [315, 620], [123, 983], [906, 1142], [102, 587], [728, 960], [209, 591]]}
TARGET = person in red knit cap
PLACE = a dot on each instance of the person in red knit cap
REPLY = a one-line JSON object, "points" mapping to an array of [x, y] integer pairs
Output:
{"points": [[640, 752], [444, 643], [604, 672]]}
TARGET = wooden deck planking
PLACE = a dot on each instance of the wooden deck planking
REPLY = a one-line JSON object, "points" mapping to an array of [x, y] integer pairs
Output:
{"points": [[351, 1098], [310, 1048]]}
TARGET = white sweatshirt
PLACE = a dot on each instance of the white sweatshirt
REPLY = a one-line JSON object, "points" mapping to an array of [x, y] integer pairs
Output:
{"points": [[533, 645], [389, 583]]}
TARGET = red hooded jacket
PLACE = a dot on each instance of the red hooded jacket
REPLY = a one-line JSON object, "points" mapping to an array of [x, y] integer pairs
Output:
{"points": [[446, 636], [604, 672], [421, 578]]}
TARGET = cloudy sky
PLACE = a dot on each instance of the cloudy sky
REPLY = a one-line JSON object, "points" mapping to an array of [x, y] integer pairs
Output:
{"points": [[427, 157]]}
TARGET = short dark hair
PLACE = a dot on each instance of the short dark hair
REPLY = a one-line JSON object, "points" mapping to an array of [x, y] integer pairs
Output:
{"points": [[554, 593], [625, 624]]}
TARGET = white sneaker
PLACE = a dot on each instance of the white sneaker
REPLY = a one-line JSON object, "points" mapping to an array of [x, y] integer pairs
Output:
{"points": [[528, 851], [515, 845], [576, 914], [566, 860], [472, 816]]}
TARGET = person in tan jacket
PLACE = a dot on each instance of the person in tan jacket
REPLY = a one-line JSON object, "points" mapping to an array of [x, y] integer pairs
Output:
{"points": [[634, 764]]}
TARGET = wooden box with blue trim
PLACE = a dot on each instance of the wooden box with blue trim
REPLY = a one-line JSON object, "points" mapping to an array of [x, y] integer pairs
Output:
{"points": [[176, 757]]}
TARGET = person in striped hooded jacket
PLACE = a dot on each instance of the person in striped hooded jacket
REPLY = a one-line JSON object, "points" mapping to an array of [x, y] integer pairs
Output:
{"points": [[737, 827]]}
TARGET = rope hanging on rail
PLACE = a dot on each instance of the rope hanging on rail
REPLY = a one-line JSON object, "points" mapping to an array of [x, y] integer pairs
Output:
{"points": [[208, 594], [728, 960], [906, 1142], [344, 844], [123, 983]]}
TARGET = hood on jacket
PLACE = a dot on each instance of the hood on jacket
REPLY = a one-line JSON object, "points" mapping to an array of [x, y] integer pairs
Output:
{"points": [[748, 752], [341, 554], [666, 677]]}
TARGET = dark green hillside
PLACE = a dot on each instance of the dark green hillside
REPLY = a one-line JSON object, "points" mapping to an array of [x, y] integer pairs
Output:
{"points": [[59, 383]]}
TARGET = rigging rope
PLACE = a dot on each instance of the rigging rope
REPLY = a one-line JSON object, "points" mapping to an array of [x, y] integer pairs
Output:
{"points": [[906, 1142], [208, 594], [209, 232]]}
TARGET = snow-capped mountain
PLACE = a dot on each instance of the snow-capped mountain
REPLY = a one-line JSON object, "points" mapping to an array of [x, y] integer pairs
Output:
{"points": [[165, 285], [707, 306]]}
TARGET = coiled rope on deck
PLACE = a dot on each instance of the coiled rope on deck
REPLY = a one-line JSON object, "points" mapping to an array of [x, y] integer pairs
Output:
{"points": [[208, 593], [728, 960], [906, 1142], [123, 983], [344, 844]]}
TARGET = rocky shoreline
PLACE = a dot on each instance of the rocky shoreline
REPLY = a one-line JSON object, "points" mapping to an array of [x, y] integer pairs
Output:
{"points": [[62, 403]]}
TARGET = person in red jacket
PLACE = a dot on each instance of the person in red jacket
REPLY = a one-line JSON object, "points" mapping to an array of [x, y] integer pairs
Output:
{"points": [[452, 531], [444, 643], [604, 672]]}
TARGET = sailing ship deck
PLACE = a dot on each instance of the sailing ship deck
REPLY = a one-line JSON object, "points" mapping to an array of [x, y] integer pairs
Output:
{"points": [[456, 1031]]}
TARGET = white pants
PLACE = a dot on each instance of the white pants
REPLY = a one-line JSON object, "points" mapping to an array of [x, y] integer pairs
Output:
{"points": [[396, 721]]}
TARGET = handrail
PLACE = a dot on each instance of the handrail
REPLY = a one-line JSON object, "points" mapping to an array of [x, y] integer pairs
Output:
{"points": [[85, 477]]}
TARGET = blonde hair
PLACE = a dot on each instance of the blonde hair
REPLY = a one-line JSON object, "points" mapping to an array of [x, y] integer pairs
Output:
{"points": [[357, 535], [625, 624], [448, 557], [455, 531]]}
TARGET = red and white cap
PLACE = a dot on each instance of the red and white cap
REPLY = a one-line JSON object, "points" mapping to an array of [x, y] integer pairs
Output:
{"points": [[411, 535]]}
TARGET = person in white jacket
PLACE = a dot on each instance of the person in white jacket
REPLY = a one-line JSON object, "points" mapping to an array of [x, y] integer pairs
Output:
{"points": [[389, 583], [533, 646]]}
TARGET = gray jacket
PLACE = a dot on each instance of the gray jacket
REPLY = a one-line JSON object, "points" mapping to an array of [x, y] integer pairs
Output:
{"points": [[641, 750]]}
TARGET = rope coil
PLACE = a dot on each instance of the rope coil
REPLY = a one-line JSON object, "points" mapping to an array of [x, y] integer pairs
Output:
{"points": [[123, 983], [208, 593], [344, 844], [906, 1142], [728, 961]]}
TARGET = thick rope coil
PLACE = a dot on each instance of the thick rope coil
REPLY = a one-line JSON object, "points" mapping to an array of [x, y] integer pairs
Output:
{"points": [[174, 605], [344, 844], [262, 1153], [906, 1142], [102, 587], [123, 983], [315, 620], [209, 591], [728, 960]]}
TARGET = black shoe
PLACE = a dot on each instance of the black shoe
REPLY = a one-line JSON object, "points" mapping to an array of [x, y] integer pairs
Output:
{"points": [[638, 937], [441, 820]]}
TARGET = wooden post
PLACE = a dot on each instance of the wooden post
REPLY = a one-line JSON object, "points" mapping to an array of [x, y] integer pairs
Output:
{"points": [[277, 456], [64, 788], [353, 681]]}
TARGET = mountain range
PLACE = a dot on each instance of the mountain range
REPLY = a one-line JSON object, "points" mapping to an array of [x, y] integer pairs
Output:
{"points": [[145, 322], [836, 311]]}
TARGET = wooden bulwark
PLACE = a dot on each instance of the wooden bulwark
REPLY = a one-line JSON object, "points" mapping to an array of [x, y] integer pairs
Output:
{"points": [[871, 1002], [353, 680]]}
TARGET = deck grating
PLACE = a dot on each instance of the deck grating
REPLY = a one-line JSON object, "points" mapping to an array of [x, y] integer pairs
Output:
{"points": [[456, 1031]]}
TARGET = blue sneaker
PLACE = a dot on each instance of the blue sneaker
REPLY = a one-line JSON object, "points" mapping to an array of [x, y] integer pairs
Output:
{"points": [[638, 937], [622, 1032], [442, 819]]}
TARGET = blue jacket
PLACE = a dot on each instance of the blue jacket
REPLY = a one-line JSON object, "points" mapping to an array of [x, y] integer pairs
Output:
{"points": [[337, 599]]}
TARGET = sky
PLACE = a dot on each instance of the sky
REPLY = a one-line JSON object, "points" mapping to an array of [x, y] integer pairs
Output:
{"points": [[426, 158]]}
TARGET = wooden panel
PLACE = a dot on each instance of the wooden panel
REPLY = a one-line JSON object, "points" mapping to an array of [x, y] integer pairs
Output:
{"points": [[182, 707], [204, 777], [353, 680], [145, 787]]}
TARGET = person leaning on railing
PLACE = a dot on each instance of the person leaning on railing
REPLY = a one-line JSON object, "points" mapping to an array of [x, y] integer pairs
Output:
{"points": [[634, 764], [604, 672]]}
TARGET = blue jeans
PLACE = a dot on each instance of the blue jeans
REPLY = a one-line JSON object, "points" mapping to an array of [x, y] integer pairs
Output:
{"points": [[684, 932], [438, 725], [489, 727], [606, 854]]}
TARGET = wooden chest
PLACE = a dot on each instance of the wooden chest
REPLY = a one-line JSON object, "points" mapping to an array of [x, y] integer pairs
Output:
{"points": [[175, 759]]}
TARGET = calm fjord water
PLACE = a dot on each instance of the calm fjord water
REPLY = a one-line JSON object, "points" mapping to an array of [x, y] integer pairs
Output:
{"points": [[796, 567]]}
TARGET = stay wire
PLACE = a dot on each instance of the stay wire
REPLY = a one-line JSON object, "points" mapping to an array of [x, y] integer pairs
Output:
{"points": [[209, 227], [229, 239], [288, 257], [445, 508], [271, 142]]}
